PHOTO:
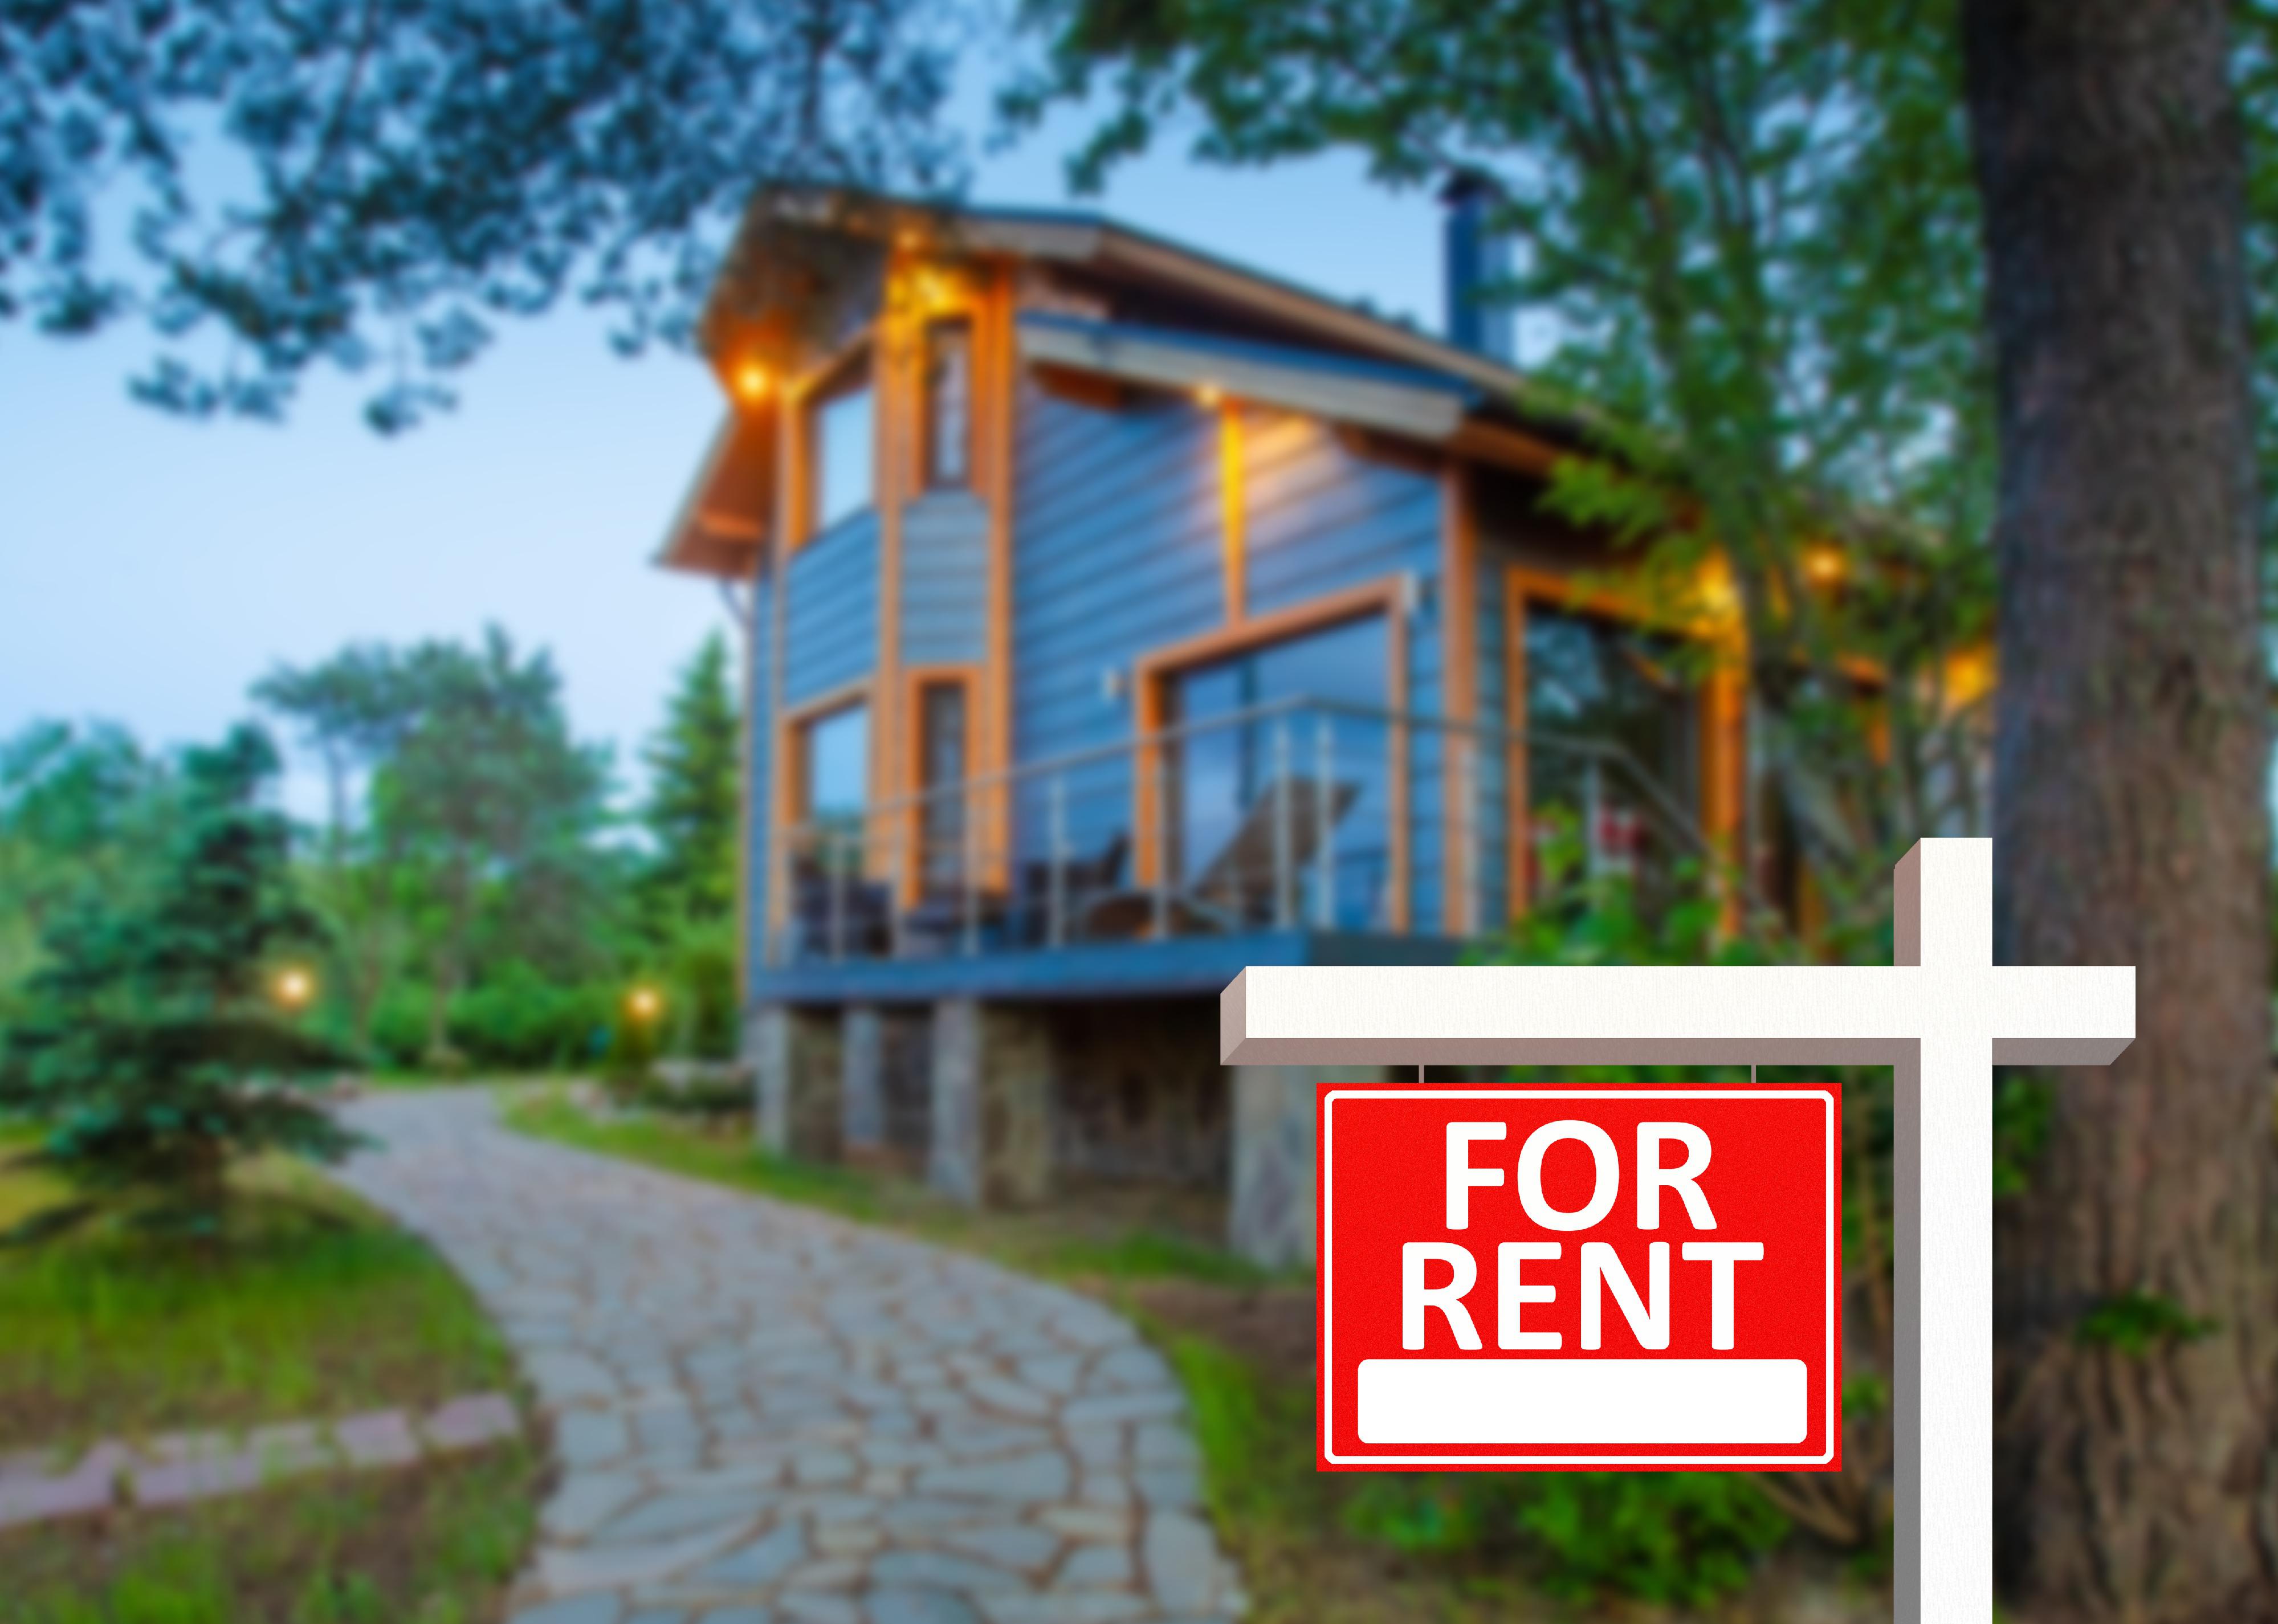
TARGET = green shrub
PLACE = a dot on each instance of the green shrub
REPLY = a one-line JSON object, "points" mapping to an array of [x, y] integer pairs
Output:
{"points": [[1680, 1538], [712, 1094], [517, 1017], [514, 1019]]}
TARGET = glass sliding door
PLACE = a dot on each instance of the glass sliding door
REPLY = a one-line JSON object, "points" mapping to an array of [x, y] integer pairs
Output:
{"points": [[1596, 680], [1277, 809]]}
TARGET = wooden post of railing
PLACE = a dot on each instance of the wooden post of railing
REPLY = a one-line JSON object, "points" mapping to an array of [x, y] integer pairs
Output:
{"points": [[1325, 822], [1285, 911], [1056, 896]]}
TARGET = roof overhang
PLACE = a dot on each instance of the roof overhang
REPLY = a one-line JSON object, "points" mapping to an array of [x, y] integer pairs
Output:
{"points": [[1413, 404], [713, 533], [1106, 247]]}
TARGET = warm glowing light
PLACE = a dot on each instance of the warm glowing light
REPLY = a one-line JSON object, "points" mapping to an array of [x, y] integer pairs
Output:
{"points": [[1968, 676], [1825, 565], [644, 1003], [1719, 599], [1208, 394], [752, 381], [294, 988], [909, 240]]}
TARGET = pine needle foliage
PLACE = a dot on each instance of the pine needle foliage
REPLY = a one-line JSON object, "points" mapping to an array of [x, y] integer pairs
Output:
{"points": [[150, 1051]]}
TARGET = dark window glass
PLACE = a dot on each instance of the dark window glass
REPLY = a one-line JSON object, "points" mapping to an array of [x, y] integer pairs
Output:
{"points": [[1232, 847], [941, 762], [1599, 681], [949, 406]]}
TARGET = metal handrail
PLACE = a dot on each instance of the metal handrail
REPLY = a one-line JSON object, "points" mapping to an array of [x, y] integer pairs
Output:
{"points": [[1605, 751], [1158, 745]]}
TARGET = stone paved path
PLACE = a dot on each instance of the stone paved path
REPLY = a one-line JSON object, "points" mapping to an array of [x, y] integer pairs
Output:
{"points": [[767, 1416]]}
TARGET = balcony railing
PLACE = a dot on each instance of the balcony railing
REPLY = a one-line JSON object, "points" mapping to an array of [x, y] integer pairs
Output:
{"points": [[1302, 813]]}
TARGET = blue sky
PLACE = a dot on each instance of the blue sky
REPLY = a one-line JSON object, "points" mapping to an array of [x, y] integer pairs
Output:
{"points": [[150, 568]]}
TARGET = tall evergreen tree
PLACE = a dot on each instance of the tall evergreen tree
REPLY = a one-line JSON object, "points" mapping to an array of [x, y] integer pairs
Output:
{"points": [[695, 792], [152, 1051]]}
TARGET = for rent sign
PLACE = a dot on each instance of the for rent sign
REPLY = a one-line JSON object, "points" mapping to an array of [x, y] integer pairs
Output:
{"points": [[1556, 1277]]}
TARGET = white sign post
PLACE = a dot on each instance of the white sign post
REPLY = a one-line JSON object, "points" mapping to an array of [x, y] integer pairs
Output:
{"points": [[1942, 1017]]}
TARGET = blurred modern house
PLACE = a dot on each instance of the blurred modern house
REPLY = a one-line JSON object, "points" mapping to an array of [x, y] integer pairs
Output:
{"points": [[1122, 617]]}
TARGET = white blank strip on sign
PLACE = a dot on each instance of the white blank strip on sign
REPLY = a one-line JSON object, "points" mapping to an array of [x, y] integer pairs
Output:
{"points": [[1584, 1401]]}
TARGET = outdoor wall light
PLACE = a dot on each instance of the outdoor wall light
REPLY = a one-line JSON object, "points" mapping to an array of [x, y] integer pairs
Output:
{"points": [[644, 1003], [752, 382]]}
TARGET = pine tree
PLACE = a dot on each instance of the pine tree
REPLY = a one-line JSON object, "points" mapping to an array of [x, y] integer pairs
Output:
{"points": [[688, 889], [695, 793], [151, 1051]]}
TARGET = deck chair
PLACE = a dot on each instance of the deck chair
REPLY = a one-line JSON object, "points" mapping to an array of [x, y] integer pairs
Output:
{"points": [[861, 906]]}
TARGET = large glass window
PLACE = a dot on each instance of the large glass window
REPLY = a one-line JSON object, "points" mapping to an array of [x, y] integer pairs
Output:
{"points": [[844, 453], [1275, 806], [948, 405], [836, 779], [1601, 681]]}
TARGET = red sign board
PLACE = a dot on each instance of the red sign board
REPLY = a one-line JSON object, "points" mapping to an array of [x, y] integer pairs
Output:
{"points": [[1555, 1278]]}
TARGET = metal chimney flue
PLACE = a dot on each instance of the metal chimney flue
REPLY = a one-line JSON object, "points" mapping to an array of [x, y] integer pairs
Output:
{"points": [[1474, 258]]}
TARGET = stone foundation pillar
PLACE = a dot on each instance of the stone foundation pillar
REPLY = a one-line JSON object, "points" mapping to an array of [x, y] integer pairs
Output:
{"points": [[795, 1056], [992, 1084], [1271, 1218], [862, 1090]]}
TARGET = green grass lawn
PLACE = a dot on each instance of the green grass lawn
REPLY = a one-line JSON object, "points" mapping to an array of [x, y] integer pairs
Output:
{"points": [[430, 1544], [1122, 1243], [315, 1306]]}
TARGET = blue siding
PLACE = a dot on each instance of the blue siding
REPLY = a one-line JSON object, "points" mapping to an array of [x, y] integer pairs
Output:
{"points": [[830, 632], [1321, 519], [944, 580], [1116, 551]]}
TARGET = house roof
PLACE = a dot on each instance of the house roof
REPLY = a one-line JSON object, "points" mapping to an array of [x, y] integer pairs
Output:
{"points": [[1094, 240], [1337, 360]]}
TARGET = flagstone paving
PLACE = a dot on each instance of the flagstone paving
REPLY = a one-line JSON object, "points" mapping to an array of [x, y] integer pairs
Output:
{"points": [[764, 1415]]}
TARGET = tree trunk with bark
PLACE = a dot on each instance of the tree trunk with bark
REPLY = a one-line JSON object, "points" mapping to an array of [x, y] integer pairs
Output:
{"points": [[2136, 1292]]}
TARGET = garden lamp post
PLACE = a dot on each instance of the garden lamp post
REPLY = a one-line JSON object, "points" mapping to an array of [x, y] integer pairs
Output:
{"points": [[294, 988]]}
